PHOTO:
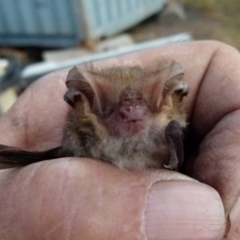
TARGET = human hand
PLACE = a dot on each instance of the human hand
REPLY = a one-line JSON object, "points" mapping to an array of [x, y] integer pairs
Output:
{"points": [[74, 198]]}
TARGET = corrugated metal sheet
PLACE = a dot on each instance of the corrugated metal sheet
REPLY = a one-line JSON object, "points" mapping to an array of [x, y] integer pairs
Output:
{"points": [[38, 22], [107, 17], [66, 22]]}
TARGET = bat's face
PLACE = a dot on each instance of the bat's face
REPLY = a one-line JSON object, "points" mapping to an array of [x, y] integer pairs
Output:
{"points": [[124, 114], [129, 116], [127, 100]]}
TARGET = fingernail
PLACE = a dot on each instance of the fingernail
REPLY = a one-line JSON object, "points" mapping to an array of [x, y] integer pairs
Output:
{"points": [[183, 210]]}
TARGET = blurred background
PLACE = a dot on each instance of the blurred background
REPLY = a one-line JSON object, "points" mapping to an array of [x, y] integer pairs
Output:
{"points": [[41, 36]]}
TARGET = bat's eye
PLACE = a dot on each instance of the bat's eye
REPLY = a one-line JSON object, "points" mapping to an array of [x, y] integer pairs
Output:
{"points": [[107, 112]]}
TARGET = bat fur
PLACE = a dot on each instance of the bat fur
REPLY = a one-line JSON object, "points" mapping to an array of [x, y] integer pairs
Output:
{"points": [[127, 115]]}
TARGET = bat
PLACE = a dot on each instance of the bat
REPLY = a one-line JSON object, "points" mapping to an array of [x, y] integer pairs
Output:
{"points": [[130, 116]]}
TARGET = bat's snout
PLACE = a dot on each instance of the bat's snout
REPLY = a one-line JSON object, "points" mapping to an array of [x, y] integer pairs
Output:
{"points": [[132, 112]]}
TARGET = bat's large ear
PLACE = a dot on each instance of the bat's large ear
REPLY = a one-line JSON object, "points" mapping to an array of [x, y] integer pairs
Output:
{"points": [[174, 137], [167, 79], [175, 87], [174, 82], [79, 82]]}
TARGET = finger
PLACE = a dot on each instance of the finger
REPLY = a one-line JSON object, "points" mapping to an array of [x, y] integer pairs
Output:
{"points": [[73, 199], [184, 210], [36, 120], [215, 122]]}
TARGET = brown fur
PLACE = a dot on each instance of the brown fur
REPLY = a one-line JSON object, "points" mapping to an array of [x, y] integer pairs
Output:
{"points": [[86, 131], [129, 116]]}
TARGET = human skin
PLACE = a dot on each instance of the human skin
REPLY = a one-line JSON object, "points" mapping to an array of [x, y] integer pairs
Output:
{"points": [[73, 198]]}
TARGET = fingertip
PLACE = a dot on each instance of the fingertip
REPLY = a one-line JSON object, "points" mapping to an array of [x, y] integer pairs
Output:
{"points": [[184, 210]]}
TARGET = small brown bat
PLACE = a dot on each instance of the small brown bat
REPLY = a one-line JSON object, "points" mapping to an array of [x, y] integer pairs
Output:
{"points": [[127, 115]]}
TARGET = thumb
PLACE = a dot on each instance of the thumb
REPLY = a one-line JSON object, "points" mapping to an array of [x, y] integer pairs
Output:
{"points": [[184, 210], [86, 199]]}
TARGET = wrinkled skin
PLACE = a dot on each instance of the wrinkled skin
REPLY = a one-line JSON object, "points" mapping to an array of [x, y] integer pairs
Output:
{"points": [[74, 198]]}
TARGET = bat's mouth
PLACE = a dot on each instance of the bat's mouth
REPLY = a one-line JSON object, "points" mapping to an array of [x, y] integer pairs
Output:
{"points": [[128, 121], [134, 120], [131, 127]]}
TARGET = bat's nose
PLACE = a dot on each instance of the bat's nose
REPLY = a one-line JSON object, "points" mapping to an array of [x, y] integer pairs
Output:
{"points": [[132, 112]]}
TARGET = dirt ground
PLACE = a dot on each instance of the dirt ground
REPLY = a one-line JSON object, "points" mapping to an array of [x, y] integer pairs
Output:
{"points": [[215, 19]]}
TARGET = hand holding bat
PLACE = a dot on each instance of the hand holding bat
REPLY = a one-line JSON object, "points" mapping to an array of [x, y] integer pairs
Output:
{"points": [[72, 197]]}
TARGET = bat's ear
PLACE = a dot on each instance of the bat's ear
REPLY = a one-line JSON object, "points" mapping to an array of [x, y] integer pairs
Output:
{"points": [[167, 79], [79, 82], [175, 82], [175, 87]]}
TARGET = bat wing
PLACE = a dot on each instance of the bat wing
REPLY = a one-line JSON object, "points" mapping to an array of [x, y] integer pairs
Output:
{"points": [[17, 157], [174, 137]]}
